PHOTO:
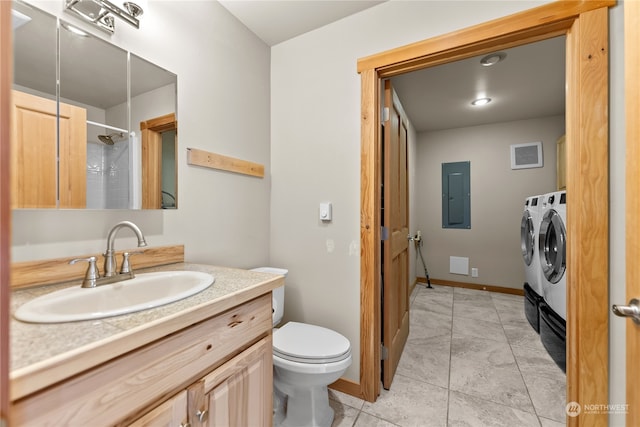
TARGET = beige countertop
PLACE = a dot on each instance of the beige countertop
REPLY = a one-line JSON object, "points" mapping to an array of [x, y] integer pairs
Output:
{"points": [[43, 354]]}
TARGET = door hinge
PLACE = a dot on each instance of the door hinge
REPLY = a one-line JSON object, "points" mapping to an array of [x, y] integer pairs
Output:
{"points": [[385, 114], [384, 352], [384, 233]]}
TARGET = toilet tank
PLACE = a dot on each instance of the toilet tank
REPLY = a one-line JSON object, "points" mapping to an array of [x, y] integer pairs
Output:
{"points": [[277, 295]]}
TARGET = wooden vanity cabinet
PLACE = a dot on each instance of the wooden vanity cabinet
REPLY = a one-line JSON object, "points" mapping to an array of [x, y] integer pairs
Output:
{"points": [[222, 365], [238, 393]]}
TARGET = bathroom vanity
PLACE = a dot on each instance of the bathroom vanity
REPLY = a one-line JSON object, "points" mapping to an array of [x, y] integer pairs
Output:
{"points": [[203, 360]]}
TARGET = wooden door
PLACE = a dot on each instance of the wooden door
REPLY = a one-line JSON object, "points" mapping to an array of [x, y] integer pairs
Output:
{"points": [[34, 152], [395, 249], [632, 90], [38, 178], [72, 148]]}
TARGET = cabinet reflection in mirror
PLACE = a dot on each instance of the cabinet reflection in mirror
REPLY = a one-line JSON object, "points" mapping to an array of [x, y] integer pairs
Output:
{"points": [[93, 140]]}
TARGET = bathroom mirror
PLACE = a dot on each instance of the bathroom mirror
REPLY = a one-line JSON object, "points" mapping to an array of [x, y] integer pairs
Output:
{"points": [[153, 120], [35, 63], [92, 156]]}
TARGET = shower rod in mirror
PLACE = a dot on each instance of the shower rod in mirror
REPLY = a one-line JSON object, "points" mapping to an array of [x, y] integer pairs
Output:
{"points": [[101, 12]]}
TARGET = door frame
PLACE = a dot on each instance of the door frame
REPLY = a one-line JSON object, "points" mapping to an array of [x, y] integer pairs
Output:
{"points": [[151, 144], [585, 25]]}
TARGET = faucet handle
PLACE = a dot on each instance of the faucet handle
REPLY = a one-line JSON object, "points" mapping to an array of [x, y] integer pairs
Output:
{"points": [[92, 274], [126, 264]]}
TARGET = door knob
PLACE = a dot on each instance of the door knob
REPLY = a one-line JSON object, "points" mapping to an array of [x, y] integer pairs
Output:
{"points": [[632, 310]]}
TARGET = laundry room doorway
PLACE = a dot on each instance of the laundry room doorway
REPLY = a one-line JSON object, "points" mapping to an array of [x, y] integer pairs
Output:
{"points": [[585, 25]]}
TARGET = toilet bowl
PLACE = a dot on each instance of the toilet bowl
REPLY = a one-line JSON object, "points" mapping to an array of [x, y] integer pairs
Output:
{"points": [[306, 359]]}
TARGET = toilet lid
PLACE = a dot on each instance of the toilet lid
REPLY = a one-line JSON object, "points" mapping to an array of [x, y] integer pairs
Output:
{"points": [[306, 343]]}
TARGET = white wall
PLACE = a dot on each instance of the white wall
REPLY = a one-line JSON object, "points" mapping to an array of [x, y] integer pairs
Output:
{"points": [[492, 244], [223, 107], [315, 149]]}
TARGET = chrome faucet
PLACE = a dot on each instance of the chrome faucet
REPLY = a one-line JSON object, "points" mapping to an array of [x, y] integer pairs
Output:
{"points": [[92, 276], [110, 267]]}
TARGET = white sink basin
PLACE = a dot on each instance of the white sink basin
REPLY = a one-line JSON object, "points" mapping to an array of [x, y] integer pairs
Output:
{"points": [[146, 290]]}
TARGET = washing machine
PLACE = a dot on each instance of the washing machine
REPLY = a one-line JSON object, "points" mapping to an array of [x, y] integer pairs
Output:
{"points": [[552, 244], [529, 226]]}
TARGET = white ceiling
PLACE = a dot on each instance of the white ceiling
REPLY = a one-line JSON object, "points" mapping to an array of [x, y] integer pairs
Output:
{"points": [[275, 21], [529, 83]]}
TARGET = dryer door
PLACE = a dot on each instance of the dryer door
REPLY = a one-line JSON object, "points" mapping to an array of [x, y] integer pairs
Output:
{"points": [[527, 238], [552, 242]]}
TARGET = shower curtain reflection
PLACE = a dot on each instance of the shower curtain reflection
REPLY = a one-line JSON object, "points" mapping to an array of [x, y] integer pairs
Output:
{"points": [[108, 174]]}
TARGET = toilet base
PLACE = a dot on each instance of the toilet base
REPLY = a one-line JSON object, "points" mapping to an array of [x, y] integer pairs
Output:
{"points": [[304, 407]]}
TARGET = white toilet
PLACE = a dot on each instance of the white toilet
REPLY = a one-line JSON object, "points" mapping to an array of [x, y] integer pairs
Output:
{"points": [[306, 359]]}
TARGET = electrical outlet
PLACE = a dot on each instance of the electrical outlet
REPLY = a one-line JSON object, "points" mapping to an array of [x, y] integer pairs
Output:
{"points": [[474, 272]]}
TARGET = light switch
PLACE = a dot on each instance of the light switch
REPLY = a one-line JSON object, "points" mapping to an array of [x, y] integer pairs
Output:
{"points": [[325, 211]]}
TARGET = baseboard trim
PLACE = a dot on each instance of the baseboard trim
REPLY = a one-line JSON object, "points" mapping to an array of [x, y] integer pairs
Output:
{"points": [[477, 286], [349, 387], [412, 286]]}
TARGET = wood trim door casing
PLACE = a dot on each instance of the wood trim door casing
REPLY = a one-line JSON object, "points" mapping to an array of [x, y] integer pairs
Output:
{"points": [[151, 143], [587, 158], [587, 168], [370, 269]]}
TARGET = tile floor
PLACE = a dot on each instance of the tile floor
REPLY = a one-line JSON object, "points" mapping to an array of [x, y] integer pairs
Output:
{"points": [[471, 360]]}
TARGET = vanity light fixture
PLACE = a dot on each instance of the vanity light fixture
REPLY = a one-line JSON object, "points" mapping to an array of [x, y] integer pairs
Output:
{"points": [[480, 101], [102, 13], [493, 59]]}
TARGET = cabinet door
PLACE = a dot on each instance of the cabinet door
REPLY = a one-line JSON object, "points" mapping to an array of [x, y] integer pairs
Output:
{"points": [[172, 413], [240, 392]]}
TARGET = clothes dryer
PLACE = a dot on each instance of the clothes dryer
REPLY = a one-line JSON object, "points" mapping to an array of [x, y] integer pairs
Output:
{"points": [[529, 226], [552, 242]]}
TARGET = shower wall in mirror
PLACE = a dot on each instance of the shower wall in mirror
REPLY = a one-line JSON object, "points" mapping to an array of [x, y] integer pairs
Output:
{"points": [[78, 143]]}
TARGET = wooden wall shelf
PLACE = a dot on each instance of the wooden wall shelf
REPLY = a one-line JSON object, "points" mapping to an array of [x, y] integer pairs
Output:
{"points": [[218, 161]]}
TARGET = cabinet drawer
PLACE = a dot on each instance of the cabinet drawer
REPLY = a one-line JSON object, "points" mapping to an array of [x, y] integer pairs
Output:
{"points": [[118, 391]]}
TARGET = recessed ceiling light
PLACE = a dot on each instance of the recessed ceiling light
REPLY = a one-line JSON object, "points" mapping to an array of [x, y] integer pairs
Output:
{"points": [[493, 59], [480, 101]]}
